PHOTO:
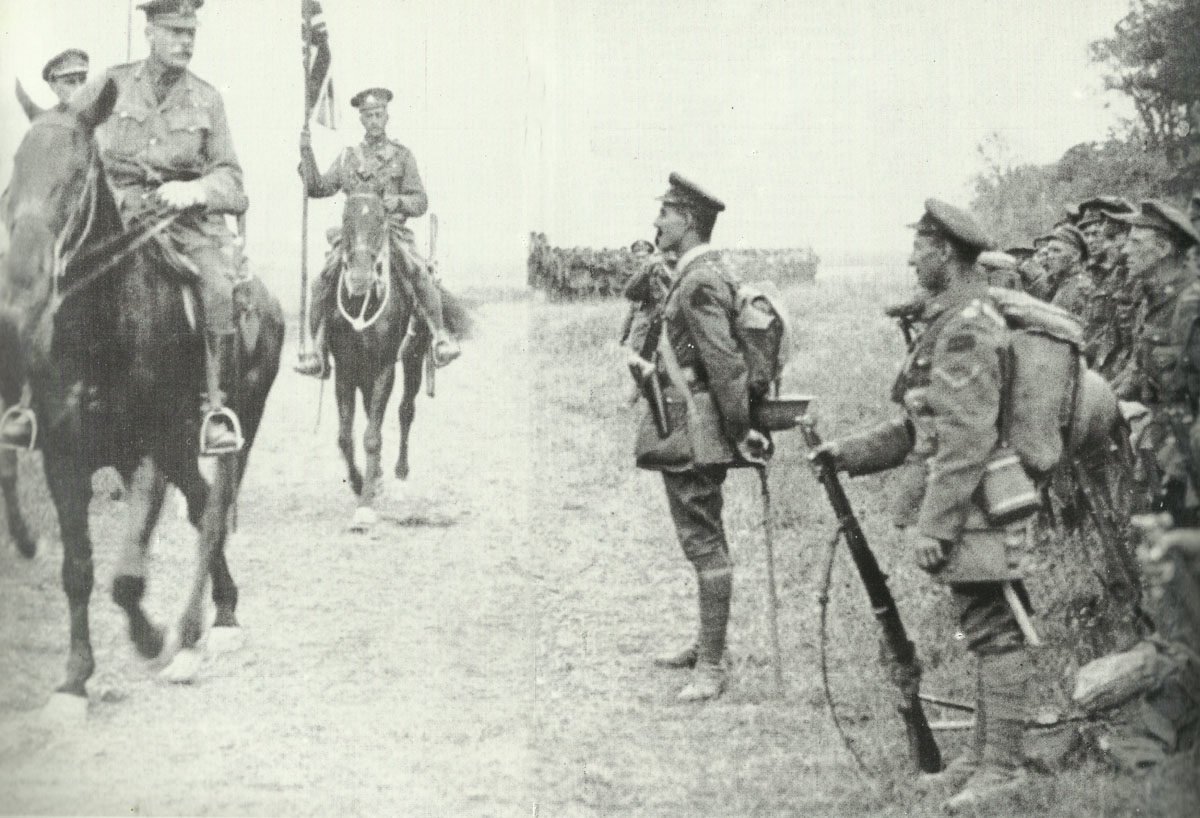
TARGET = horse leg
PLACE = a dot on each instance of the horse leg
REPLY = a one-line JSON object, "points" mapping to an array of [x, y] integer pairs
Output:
{"points": [[17, 529], [146, 491], [344, 392], [71, 488], [212, 531], [412, 363], [375, 399]]}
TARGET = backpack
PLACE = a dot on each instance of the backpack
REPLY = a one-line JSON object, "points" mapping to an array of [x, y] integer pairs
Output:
{"points": [[763, 330], [1054, 405]]}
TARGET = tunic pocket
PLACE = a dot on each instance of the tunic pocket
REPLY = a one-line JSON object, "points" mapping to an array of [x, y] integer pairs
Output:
{"points": [[130, 133], [187, 136]]}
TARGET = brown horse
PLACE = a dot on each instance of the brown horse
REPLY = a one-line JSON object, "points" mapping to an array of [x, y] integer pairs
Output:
{"points": [[101, 330], [374, 308]]}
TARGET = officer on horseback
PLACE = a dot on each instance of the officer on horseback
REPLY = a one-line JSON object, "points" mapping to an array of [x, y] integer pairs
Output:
{"points": [[167, 145], [384, 166]]}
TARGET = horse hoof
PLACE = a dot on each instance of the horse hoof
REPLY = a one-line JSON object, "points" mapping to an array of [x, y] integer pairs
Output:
{"points": [[225, 640], [183, 668], [65, 710], [364, 518], [172, 642]]}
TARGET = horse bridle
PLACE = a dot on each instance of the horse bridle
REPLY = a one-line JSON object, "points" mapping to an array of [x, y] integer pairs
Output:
{"points": [[383, 272], [79, 224]]}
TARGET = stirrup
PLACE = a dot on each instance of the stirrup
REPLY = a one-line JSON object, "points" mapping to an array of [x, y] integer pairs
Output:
{"points": [[14, 413], [210, 417]]}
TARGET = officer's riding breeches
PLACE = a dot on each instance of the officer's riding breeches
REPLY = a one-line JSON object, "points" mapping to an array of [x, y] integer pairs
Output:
{"points": [[695, 500]]}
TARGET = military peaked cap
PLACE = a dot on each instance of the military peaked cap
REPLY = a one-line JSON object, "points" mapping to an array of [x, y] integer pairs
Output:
{"points": [[949, 222], [71, 61], [371, 98], [1094, 210], [995, 260], [1162, 217], [1069, 235], [174, 13], [641, 244], [688, 194]]}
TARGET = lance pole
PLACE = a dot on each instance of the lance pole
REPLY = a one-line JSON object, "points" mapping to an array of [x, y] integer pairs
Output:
{"points": [[306, 55]]}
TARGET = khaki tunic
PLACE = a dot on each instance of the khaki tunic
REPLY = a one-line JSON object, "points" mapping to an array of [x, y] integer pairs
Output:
{"points": [[145, 143]]}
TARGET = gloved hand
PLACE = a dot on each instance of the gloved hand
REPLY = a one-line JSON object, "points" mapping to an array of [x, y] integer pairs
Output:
{"points": [[182, 195]]}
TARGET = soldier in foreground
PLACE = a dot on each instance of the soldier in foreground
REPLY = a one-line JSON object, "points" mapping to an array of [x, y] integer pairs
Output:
{"points": [[66, 73], [388, 168], [713, 433], [1159, 375], [950, 389]]}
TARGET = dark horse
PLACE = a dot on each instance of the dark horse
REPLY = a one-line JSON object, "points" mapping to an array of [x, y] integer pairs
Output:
{"points": [[100, 328], [369, 328]]}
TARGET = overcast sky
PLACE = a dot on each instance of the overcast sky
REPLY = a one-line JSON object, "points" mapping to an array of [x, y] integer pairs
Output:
{"points": [[818, 123]]}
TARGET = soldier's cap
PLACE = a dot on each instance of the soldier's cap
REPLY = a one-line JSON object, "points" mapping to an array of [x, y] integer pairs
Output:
{"points": [[996, 260], [71, 61], [371, 98], [1097, 209], [1020, 252], [1164, 218], [641, 244], [1069, 235], [173, 13], [688, 194], [950, 222]]}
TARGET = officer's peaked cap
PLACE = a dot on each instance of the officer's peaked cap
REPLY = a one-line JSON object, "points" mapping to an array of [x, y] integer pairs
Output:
{"points": [[174, 13], [71, 61], [1164, 218], [686, 193], [371, 98], [1094, 210], [1069, 235], [955, 224]]}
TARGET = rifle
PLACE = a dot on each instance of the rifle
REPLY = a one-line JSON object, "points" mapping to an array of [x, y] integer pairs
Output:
{"points": [[899, 651], [648, 383]]}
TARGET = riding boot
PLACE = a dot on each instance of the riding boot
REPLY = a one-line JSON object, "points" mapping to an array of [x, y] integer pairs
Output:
{"points": [[1001, 772], [429, 296], [220, 430], [715, 586], [316, 362]]}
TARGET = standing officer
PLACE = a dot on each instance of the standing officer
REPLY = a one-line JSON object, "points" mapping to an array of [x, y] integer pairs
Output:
{"points": [[645, 291], [167, 143], [950, 389], [65, 73], [386, 167], [698, 336], [1157, 374]]}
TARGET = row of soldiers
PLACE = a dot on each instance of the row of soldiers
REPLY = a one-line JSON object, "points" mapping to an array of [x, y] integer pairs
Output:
{"points": [[1126, 272]]}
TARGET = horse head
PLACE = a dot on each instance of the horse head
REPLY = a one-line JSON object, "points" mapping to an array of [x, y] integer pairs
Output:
{"points": [[365, 245], [49, 207]]}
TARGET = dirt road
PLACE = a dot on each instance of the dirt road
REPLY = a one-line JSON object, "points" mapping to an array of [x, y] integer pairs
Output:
{"points": [[388, 673]]}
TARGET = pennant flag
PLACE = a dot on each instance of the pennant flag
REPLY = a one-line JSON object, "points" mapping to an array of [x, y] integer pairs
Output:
{"points": [[319, 93]]}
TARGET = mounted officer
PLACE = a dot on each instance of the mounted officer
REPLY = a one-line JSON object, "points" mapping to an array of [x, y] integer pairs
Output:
{"points": [[950, 390], [385, 167], [1158, 374], [168, 144], [711, 429], [66, 73]]}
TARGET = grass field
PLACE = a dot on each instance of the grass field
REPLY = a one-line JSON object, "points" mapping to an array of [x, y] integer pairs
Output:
{"points": [[616, 589], [484, 651]]}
